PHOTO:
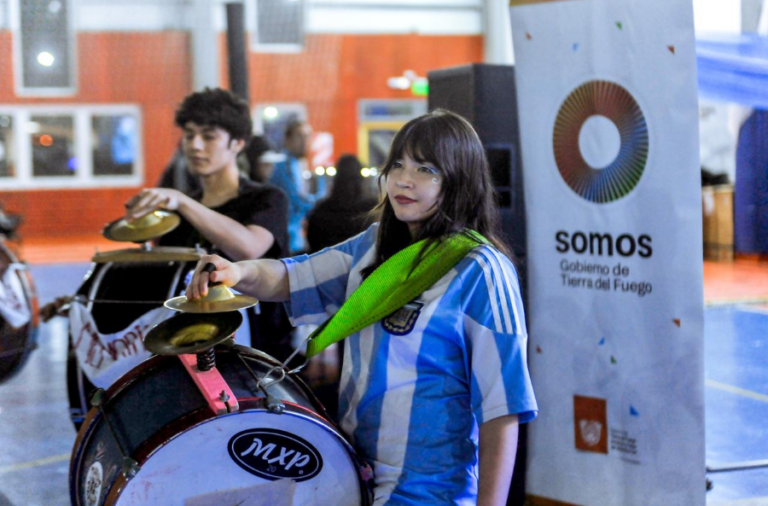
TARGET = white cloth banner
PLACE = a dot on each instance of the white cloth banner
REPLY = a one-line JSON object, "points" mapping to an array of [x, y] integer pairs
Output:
{"points": [[105, 357], [606, 92], [14, 308]]}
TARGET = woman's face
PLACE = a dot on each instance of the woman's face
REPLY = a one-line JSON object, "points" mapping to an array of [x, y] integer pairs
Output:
{"points": [[412, 188]]}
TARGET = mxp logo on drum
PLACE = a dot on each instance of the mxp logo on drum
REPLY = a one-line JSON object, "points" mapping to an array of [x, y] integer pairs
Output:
{"points": [[274, 454]]}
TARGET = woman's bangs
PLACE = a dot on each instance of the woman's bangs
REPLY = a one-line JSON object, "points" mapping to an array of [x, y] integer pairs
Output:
{"points": [[422, 143]]}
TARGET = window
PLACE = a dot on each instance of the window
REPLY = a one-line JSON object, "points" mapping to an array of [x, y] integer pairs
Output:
{"points": [[44, 47], [271, 120], [53, 145], [379, 121], [379, 137], [7, 147], [279, 26], [75, 146], [114, 144]]}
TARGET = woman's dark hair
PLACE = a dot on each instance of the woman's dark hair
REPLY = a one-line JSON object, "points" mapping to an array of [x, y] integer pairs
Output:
{"points": [[467, 198], [256, 147], [217, 108], [348, 183]]}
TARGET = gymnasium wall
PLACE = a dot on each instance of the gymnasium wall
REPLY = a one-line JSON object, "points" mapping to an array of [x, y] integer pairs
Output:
{"points": [[153, 70], [147, 69]]}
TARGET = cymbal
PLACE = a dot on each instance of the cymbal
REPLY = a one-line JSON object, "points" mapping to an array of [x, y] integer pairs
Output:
{"points": [[220, 299], [142, 229], [191, 333]]}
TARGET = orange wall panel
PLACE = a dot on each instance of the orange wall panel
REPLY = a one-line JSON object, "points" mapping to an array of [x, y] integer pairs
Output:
{"points": [[335, 71], [153, 70]]}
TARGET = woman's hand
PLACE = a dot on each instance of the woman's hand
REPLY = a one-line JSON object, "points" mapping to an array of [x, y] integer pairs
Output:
{"points": [[151, 199], [226, 273]]}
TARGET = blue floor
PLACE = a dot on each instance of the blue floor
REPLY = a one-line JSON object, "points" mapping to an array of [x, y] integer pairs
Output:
{"points": [[36, 436], [736, 370]]}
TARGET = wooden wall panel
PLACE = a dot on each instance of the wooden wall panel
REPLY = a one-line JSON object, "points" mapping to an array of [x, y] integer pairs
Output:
{"points": [[153, 69]]}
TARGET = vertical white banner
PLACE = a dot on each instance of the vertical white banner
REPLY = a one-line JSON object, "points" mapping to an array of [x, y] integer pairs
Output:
{"points": [[609, 130]]}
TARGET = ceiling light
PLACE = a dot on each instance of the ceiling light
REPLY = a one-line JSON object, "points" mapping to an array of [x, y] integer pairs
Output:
{"points": [[45, 59]]}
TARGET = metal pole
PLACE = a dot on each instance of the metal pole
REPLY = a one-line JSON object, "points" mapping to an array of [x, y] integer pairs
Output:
{"points": [[237, 55]]}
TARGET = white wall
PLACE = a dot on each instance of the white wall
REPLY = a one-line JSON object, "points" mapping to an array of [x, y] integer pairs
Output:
{"points": [[323, 16], [396, 16], [717, 15], [352, 16]]}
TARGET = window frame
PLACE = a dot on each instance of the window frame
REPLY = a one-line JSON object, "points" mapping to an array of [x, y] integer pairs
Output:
{"points": [[18, 68], [82, 115], [394, 122], [252, 25]]}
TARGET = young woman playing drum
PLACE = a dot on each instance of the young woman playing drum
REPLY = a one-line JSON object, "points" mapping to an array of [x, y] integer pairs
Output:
{"points": [[435, 365]]}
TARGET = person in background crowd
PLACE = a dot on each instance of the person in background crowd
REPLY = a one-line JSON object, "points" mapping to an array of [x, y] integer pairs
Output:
{"points": [[261, 159], [432, 394], [344, 212], [229, 215], [288, 177]]}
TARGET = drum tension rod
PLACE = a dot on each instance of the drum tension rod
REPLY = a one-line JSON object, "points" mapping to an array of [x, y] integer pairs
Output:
{"points": [[223, 397], [274, 405], [130, 466]]}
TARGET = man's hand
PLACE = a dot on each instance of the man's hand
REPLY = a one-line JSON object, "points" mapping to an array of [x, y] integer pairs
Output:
{"points": [[59, 307], [152, 199]]}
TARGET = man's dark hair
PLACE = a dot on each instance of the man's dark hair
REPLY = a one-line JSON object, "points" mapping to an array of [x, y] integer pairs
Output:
{"points": [[217, 108]]}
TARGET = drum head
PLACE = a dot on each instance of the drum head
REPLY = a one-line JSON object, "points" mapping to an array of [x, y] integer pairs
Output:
{"points": [[186, 453], [247, 449]]}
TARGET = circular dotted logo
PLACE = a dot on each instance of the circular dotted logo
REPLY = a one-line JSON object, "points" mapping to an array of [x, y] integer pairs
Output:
{"points": [[600, 141]]}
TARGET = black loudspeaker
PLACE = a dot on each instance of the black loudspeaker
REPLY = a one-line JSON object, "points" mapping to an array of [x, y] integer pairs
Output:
{"points": [[485, 95]]}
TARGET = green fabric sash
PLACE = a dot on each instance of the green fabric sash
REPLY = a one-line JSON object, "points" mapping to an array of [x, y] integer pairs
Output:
{"points": [[391, 286]]}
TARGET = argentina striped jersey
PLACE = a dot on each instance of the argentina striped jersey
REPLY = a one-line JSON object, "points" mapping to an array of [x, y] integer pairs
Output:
{"points": [[416, 385]]}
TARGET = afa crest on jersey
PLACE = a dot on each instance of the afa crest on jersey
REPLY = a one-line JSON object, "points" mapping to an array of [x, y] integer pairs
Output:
{"points": [[401, 322]]}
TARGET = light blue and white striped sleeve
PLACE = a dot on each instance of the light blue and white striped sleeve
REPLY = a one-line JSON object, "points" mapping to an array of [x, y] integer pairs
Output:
{"points": [[318, 282], [496, 338]]}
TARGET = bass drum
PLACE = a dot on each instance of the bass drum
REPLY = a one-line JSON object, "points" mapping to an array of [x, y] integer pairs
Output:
{"points": [[159, 418], [19, 313], [122, 286]]}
